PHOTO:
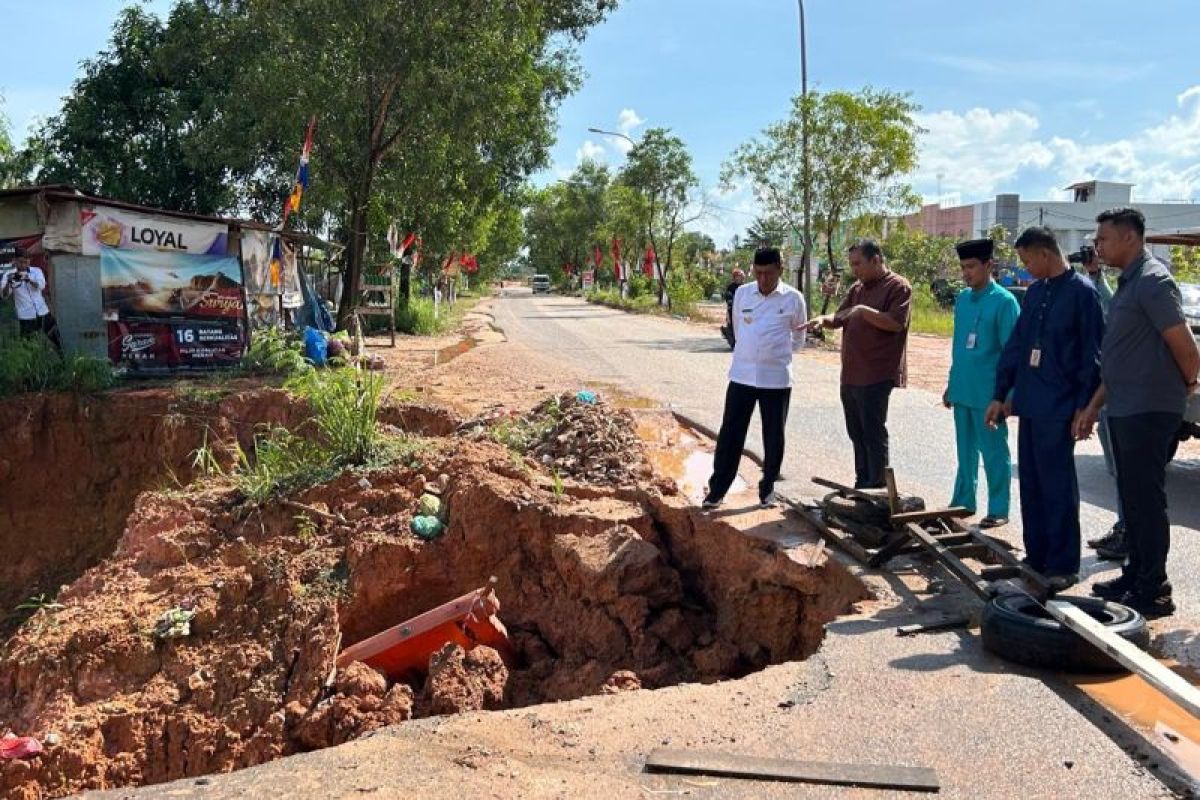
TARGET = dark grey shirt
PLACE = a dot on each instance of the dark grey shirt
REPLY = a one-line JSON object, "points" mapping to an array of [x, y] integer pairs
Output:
{"points": [[1139, 373]]}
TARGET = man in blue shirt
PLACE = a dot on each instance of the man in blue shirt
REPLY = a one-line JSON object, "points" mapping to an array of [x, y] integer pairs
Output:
{"points": [[984, 317], [1051, 364]]}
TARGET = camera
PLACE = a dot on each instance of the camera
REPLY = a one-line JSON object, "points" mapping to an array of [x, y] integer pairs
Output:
{"points": [[1084, 256]]}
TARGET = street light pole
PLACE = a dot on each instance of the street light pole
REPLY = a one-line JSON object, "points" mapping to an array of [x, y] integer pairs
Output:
{"points": [[805, 255], [612, 133]]}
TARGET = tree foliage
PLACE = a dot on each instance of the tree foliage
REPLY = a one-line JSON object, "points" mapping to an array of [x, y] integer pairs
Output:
{"points": [[860, 145], [659, 168], [430, 114]]}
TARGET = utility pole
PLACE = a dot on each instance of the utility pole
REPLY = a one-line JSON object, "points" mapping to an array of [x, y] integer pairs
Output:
{"points": [[805, 254]]}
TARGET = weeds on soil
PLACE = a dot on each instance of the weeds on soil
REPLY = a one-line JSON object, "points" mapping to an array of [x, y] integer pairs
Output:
{"points": [[274, 352], [31, 364]]}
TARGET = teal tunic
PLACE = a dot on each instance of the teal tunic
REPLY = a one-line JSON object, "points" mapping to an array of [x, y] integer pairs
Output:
{"points": [[990, 314], [983, 321]]}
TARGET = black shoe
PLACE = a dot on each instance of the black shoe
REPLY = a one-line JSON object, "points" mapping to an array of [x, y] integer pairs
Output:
{"points": [[1060, 583], [1149, 607], [1115, 549], [1115, 532], [712, 501], [1112, 590], [768, 500], [993, 522]]}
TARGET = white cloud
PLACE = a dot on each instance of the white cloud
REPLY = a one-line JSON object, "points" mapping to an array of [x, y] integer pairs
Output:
{"points": [[628, 119], [981, 151], [977, 151], [590, 151]]}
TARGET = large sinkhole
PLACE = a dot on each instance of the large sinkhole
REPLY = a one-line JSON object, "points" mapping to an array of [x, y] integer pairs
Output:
{"points": [[602, 589]]}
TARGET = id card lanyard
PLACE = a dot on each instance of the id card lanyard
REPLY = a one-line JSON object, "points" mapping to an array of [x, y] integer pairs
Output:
{"points": [[1035, 355]]}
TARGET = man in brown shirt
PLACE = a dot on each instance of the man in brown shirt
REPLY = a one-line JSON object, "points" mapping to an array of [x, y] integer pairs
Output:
{"points": [[874, 318]]}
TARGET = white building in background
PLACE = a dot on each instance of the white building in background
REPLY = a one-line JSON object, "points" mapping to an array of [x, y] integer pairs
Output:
{"points": [[1073, 221]]}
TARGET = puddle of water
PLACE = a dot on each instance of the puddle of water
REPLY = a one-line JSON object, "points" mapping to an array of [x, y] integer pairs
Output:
{"points": [[682, 458], [1172, 729], [615, 395]]}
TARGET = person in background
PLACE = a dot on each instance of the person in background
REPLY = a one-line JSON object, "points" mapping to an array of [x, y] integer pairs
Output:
{"points": [[874, 318], [736, 280], [1051, 367], [984, 317], [768, 323], [26, 284], [1149, 365], [1111, 546]]}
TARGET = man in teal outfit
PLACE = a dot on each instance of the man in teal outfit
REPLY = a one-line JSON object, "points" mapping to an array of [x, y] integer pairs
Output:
{"points": [[984, 316]]}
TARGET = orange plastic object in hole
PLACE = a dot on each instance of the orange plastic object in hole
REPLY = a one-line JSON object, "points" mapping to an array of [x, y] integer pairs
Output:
{"points": [[402, 651]]}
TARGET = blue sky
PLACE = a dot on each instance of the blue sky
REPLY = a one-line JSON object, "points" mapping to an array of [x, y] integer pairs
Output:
{"points": [[1022, 96]]}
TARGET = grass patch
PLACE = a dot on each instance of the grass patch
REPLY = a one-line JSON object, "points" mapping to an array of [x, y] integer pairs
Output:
{"points": [[928, 316], [643, 304], [273, 352], [31, 364], [341, 434]]}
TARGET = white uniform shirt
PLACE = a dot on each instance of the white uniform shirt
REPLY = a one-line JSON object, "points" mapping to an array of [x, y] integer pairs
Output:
{"points": [[27, 295], [765, 330]]}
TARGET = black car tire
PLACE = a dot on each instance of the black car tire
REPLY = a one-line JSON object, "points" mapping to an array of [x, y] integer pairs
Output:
{"points": [[1017, 629]]}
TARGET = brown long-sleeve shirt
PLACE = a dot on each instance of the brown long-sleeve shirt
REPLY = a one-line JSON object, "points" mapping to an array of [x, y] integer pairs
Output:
{"points": [[871, 355]]}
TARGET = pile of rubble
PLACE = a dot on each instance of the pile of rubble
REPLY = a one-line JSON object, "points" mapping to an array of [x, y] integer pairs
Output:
{"points": [[589, 440], [576, 436]]}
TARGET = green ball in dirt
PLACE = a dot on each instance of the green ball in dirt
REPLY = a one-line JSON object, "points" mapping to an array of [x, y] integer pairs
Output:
{"points": [[429, 505], [427, 527]]}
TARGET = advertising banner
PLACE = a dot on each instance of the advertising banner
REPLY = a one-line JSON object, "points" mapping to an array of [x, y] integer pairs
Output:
{"points": [[169, 311], [129, 230]]}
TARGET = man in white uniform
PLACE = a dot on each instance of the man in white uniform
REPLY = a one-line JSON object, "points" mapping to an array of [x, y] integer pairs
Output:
{"points": [[25, 284], [769, 320]]}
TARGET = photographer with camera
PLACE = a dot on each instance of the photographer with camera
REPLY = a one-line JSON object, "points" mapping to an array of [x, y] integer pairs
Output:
{"points": [[26, 283], [1111, 546]]}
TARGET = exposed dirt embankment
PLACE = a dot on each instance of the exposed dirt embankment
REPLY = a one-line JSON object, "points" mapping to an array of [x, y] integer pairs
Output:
{"points": [[602, 589]]}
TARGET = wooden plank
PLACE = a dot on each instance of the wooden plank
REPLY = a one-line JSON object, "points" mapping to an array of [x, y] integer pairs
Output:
{"points": [[950, 560], [872, 776], [893, 496], [931, 513], [376, 287], [951, 623], [999, 573], [1128, 655], [374, 312], [845, 543]]}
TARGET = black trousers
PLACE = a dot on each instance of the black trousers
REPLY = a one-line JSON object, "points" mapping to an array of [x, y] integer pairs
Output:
{"points": [[739, 408], [866, 409], [1141, 446], [1049, 495], [45, 324]]}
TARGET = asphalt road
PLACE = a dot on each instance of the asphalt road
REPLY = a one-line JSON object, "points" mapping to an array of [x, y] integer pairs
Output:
{"points": [[685, 364]]}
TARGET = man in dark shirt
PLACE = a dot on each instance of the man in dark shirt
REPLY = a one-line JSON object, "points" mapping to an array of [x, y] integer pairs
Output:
{"points": [[874, 318], [1148, 366], [737, 279], [1051, 365]]}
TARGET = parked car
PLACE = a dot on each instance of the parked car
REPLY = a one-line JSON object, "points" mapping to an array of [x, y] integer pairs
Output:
{"points": [[541, 283], [1191, 310]]}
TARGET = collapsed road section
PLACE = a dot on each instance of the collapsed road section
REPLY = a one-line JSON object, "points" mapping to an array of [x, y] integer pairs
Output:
{"points": [[202, 632]]}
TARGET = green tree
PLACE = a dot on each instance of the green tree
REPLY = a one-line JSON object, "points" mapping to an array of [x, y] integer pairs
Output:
{"points": [[860, 145], [430, 114], [565, 220], [919, 256], [7, 156], [130, 127], [659, 168], [767, 232], [1185, 262]]}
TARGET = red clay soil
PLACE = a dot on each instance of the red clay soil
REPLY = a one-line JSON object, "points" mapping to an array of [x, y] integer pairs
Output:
{"points": [[602, 589], [71, 467]]}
